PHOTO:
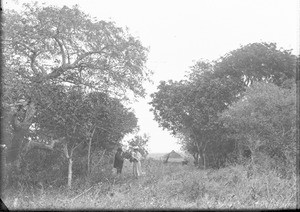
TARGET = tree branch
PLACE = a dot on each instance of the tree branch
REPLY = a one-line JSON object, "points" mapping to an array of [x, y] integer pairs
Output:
{"points": [[26, 46], [60, 70], [72, 150], [67, 52], [41, 68], [82, 56], [30, 112], [50, 146], [63, 54], [32, 61], [14, 119], [65, 150]]}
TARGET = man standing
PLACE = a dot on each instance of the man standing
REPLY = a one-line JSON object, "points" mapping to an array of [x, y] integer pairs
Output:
{"points": [[119, 160]]}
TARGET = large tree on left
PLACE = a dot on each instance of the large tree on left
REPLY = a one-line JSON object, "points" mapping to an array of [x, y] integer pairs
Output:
{"points": [[47, 46]]}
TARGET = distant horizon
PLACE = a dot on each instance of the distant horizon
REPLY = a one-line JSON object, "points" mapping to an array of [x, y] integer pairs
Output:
{"points": [[180, 151]]}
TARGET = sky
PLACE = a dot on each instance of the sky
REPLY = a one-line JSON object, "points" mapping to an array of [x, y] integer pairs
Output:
{"points": [[180, 32]]}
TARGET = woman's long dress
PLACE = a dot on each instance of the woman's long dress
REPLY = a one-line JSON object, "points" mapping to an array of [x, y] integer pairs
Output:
{"points": [[137, 169]]}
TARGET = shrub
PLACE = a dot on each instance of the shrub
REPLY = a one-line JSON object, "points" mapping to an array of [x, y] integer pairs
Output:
{"points": [[39, 167]]}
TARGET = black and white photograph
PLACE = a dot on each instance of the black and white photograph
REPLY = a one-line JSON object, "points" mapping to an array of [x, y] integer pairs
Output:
{"points": [[150, 104]]}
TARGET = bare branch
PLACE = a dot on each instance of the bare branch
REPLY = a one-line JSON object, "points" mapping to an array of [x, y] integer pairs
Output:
{"points": [[82, 56], [99, 160], [65, 150], [30, 112], [60, 70], [67, 52], [53, 142], [101, 128], [32, 61], [63, 54], [72, 150], [41, 68], [205, 145], [50, 146]]}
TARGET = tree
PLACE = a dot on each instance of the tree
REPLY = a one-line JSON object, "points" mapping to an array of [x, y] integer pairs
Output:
{"points": [[44, 46], [84, 120], [256, 62], [190, 107], [265, 118], [109, 122], [167, 105], [141, 142]]}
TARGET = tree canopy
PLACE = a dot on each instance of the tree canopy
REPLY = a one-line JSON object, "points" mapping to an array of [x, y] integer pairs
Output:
{"points": [[190, 108], [67, 45], [47, 50], [265, 117]]}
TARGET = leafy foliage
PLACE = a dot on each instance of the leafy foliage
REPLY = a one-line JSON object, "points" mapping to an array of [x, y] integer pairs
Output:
{"points": [[265, 116], [189, 108], [257, 62], [73, 114], [48, 50], [45, 166], [141, 142], [66, 45]]}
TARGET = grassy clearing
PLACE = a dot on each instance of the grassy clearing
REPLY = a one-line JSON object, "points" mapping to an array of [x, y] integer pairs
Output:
{"points": [[168, 186]]}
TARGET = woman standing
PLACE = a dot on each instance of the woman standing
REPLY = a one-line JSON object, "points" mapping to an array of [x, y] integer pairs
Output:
{"points": [[136, 158]]}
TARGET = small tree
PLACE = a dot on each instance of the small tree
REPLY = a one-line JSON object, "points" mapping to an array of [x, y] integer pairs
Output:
{"points": [[265, 116], [141, 142], [190, 108], [81, 118]]}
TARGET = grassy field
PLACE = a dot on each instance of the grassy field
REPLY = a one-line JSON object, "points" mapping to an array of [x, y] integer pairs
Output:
{"points": [[170, 186]]}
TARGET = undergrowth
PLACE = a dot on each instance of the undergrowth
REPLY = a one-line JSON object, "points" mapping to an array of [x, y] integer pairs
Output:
{"points": [[167, 186]]}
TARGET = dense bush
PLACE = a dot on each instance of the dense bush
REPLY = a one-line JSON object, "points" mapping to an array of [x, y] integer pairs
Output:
{"points": [[43, 166]]}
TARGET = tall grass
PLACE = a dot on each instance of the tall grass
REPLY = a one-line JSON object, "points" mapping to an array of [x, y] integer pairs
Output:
{"points": [[168, 186]]}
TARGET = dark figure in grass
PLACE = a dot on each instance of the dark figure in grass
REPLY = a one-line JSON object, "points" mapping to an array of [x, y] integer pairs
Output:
{"points": [[119, 160]]}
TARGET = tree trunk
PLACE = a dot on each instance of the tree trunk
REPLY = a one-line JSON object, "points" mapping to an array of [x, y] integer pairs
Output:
{"points": [[70, 164], [70, 172], [19, 129], [196, 159], [204, 160], [201, 159], [199, 155], [3, 168], [215, 162], [89, 158], [89, 154], [204, 154], [16, 142]]}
